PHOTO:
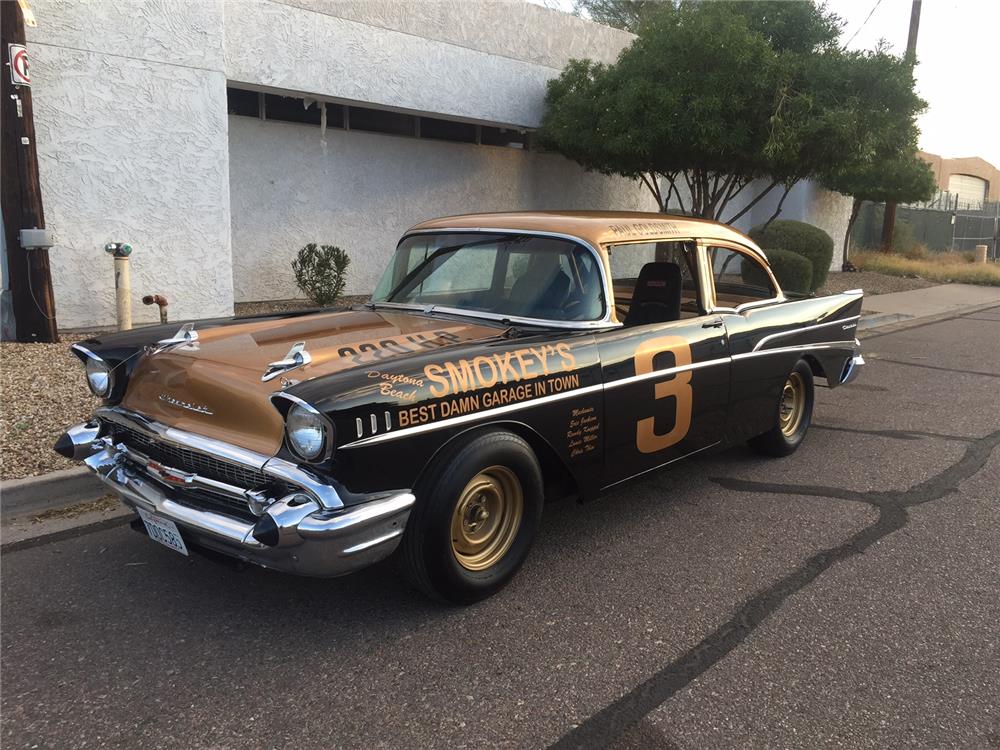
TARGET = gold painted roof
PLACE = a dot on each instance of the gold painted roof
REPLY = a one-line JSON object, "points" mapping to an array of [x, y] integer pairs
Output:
{"points": [[599, 228]]}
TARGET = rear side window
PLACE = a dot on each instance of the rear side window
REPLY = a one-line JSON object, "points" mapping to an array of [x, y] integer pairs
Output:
{"points": [[738, 278], [628, 260]]}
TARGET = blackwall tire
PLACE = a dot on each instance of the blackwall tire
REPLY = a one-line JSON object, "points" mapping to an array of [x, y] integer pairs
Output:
{"points": [[793, 414], [475, 518]]}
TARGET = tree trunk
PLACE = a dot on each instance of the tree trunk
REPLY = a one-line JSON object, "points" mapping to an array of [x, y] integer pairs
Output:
{"points": [[855, 210]]}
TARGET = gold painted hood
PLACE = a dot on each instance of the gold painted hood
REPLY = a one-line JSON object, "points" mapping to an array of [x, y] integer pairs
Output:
{"points": [[213, 386]]}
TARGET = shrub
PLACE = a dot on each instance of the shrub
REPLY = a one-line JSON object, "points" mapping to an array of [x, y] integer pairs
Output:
{"points": [[321, 272], [917, 251], [904, 240], [793, 272], [803, 239]]}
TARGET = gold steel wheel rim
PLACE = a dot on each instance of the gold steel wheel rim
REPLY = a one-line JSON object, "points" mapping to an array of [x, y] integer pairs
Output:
{"points": [[486, 518], [793, 404]]}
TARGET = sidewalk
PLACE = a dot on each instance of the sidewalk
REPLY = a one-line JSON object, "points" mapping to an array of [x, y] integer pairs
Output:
{"points": [[883, 309]]}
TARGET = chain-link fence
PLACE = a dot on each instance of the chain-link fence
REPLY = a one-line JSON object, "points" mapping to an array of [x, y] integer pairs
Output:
{"points": [[946, 222]]}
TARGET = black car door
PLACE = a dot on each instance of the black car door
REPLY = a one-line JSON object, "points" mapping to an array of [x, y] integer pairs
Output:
{"points": [[666, 384]]}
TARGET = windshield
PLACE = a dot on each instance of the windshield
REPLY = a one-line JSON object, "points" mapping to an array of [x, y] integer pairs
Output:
{"points": [[510, 275]]}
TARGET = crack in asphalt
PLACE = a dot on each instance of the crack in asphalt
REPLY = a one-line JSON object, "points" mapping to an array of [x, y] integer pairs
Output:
{"points": [[980, 373], [895, 434], [607, 725]]}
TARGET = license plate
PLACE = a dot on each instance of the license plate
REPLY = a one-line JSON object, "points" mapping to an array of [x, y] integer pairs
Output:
{"points": [[163, 531]]}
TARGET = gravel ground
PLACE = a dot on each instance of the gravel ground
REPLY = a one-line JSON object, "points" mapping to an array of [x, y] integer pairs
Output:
{"points": [[871, 282], [44, 391]]}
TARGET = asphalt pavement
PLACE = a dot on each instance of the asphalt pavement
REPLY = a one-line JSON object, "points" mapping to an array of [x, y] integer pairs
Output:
{"points": [[847, 596]]}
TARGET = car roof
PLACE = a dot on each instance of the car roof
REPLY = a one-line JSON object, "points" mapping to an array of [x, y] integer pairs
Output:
{"points": [[598, 228]]}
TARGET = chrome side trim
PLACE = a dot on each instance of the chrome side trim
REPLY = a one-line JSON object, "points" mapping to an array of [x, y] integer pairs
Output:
{"points": [[666, 371], [606, 321], [795, 348], [782, 334]]}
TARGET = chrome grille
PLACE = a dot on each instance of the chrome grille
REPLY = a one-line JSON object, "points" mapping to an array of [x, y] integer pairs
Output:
{"points": [[192, 461], [204, 465]]}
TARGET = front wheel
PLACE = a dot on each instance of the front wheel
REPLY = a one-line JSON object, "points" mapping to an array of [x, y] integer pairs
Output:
{"points": [[792, 417], [475, 518]]}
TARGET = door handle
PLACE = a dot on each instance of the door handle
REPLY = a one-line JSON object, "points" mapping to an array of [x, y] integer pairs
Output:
{"points": [[714, 323]]}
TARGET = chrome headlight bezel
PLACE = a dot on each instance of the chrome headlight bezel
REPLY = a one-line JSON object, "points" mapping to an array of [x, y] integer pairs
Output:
{"points": [[309, 435], [100, 375]]}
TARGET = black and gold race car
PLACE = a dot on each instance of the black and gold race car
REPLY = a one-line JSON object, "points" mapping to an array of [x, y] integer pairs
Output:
{"points": [[504, 360]]}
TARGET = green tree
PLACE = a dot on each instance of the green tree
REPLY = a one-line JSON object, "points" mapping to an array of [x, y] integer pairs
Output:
{"points": [[712, 96], [906, 178]]}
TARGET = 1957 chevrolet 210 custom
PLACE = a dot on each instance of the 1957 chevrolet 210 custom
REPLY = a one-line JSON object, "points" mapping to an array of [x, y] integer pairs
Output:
{"points": [[504, 359]]}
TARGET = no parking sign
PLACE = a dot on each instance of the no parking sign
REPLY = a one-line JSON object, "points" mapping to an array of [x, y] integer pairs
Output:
{"points": [[17, 57]]}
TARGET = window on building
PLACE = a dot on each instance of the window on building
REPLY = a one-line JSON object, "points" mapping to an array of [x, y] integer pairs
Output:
{"points": [[247, 103], [447, 130], [291, 109], [381, 121], [503, 137], [738, 278], [243, 102]]}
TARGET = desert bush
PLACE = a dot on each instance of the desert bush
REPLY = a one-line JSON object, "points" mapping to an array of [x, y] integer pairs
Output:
{"points": [[793, 271], [803, 239], [917, 251], [942, 267], [321, 272], [903, 238]]}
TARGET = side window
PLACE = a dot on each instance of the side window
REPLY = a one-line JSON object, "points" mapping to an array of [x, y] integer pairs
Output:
{"points": [[627, 263], [738, 277]]}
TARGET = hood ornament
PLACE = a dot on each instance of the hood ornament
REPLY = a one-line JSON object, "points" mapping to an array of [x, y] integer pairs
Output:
{"points": [[186, 335], [297, 357]]}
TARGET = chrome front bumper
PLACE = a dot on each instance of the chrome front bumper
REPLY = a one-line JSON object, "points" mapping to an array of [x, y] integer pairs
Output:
{"points": [[294, 534]]}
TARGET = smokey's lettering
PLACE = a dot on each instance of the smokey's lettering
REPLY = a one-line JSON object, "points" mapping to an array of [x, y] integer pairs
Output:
{"points": [[499, 368]]}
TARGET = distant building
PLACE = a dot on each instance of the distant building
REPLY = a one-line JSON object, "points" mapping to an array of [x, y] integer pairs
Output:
{"points": [[972, 179]]}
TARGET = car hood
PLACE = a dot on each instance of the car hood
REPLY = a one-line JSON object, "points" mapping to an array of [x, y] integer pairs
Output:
{"points": [[213, 386]]}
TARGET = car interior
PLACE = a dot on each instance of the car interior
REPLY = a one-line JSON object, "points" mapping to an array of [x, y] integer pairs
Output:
{"points": [[654, 282]]}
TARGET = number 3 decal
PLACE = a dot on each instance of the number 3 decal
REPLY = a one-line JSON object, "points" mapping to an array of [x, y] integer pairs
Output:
{"points": [[679, 386]]}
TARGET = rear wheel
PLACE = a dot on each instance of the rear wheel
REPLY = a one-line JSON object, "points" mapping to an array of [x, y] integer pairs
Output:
{"points": [[792, 416], [475, 518]]}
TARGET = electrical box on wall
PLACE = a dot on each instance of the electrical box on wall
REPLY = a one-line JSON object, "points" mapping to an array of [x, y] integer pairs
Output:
{"points": [[35, 239]]}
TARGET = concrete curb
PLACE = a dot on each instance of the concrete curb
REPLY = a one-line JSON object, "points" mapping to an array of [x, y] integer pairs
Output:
{"points": [[875, 320], [21, 497]]}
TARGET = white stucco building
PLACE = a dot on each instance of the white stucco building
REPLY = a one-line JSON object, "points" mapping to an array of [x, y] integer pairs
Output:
{"points": [[218, 137]]}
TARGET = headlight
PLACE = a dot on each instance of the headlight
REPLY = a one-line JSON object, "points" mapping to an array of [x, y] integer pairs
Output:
{"points": [[98, 377], [306, 431]]}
